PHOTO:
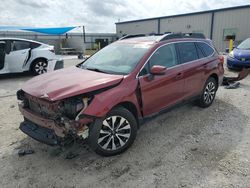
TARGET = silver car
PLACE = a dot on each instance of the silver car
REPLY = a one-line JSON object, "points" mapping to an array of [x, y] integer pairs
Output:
{"points": [[20, 55]]}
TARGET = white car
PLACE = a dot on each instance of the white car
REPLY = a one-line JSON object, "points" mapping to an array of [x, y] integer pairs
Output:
{"points": [[20, 55]]}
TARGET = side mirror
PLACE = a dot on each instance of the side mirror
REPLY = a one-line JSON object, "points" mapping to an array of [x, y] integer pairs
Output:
{"points": [[158, 70]]}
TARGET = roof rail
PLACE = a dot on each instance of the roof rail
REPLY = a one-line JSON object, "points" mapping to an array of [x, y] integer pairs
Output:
{"points": [[132, 36], [181, 35]]}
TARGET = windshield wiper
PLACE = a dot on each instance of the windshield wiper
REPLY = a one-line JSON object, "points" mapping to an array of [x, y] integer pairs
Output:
{"points": [[95, 69]]}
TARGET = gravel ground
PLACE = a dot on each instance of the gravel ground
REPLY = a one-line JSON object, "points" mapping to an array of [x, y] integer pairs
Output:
{"points": [[186, 147]]}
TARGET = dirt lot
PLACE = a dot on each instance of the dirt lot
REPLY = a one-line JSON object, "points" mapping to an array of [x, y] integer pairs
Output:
{"points": [[186, 147]]}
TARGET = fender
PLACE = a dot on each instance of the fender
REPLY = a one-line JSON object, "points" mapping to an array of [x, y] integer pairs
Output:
{"points": [[125, 92]]}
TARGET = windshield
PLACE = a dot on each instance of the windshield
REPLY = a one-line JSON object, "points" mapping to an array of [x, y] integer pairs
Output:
{"points": [[245, 45], [116, 58]]}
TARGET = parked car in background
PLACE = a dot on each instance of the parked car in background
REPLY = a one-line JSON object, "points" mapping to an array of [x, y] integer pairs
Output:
{"points": [[19, 55], [105, 98], [240, 56]]}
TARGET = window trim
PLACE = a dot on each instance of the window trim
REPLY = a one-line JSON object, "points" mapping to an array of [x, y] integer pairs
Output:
{"points": [[137, 75]]}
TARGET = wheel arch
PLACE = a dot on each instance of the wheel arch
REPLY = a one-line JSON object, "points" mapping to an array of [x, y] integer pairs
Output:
{"points": [[215, 76], [130, 107]]}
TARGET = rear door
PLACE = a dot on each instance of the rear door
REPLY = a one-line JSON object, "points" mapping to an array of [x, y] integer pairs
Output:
{"points": [[193, 68], [18, 55], [161, 91]]}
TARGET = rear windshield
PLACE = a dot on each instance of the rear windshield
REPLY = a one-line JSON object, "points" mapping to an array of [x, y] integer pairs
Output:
{"points": [[116, 58]]}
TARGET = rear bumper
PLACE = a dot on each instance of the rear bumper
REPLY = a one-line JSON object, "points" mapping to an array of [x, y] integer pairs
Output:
{"points": [[55, 65], [237, 64], [59, 64]]}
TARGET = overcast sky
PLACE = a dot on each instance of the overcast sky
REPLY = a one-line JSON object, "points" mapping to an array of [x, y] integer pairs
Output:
{"points": [[97, 15]]}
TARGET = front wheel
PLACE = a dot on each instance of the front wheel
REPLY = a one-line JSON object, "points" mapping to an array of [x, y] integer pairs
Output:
{"points": [[208, 93], [113, 134]]}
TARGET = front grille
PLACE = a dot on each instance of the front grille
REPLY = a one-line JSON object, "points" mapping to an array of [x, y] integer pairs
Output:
{"points": [[245, 59], [39, 108], [42, 108]]}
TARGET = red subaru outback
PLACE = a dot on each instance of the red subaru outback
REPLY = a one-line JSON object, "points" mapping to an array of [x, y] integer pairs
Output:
{"points": [[104, 99]]}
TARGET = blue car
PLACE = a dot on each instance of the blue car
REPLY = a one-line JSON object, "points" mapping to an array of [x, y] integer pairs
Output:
{"points": [[240, 56]]}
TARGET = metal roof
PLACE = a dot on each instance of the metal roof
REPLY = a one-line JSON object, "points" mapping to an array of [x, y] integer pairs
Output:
{"points": [[187, 14]]}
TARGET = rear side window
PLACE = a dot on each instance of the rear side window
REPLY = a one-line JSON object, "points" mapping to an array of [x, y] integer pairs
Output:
{"points": [[19, 45], [206, 49], [34, 45], [187, 51], [200, 52]]}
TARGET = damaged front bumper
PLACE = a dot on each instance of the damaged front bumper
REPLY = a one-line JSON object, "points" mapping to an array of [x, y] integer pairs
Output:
{"points": [[49, 131], [46, 123], [41, 134]]}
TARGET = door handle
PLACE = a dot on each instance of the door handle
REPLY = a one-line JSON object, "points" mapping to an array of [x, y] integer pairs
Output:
{"points": [[178, 76]]}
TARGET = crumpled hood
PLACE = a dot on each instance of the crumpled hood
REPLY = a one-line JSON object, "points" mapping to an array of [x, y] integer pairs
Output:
{"points": [[68, 82], [239, 54]]}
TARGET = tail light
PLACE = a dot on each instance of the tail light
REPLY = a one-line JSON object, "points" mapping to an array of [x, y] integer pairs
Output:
{"points": [[221, 59], [52, 50]]}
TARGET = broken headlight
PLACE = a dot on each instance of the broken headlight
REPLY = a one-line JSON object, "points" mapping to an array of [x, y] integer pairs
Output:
{"points": [[71, 107]]}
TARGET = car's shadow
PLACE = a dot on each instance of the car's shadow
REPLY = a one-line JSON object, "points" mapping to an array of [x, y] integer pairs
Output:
{"points": [[184, 138], [15, 75]]}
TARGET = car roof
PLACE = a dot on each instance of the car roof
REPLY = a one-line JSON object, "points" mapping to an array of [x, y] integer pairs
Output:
{"points": [[13, 38], [157, 39]]}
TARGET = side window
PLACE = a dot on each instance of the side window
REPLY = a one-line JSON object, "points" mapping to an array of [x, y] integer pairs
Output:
{"points": [[164, 56], [199, 51], [207, 50], [19, 45], [34, 45], [145, 70], [187, 51]]}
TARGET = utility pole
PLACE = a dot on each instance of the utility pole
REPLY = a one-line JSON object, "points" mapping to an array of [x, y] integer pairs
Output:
{"points": [[83, 32]]}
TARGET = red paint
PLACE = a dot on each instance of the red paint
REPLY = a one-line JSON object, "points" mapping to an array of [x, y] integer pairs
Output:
{"points": [[164, 88], [69, 82], [158, 70]]}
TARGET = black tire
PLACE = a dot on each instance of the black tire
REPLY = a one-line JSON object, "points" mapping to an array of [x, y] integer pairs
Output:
{"points": [[102, 136], [208, 93], [39, 66]]}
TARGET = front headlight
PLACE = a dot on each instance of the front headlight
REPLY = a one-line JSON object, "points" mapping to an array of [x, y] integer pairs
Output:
{"points": [[71, 107], [231, 54]]}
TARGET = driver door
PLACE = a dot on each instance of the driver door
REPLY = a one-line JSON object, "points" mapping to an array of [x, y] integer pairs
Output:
{"points": [[18, 55], [161, 91]]}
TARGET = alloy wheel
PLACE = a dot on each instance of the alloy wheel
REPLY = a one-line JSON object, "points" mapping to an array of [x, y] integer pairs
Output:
{"points": [[209, 93], [115, 133], [41, 67]]}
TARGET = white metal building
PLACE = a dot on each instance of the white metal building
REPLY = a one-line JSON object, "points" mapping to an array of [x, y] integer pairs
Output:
{"points": [[70, 40], [215, 24]]}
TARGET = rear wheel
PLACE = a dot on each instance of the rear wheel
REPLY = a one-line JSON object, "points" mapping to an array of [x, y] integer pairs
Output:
{"points": [[208, 93], [114, 133], [39, 66]]}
